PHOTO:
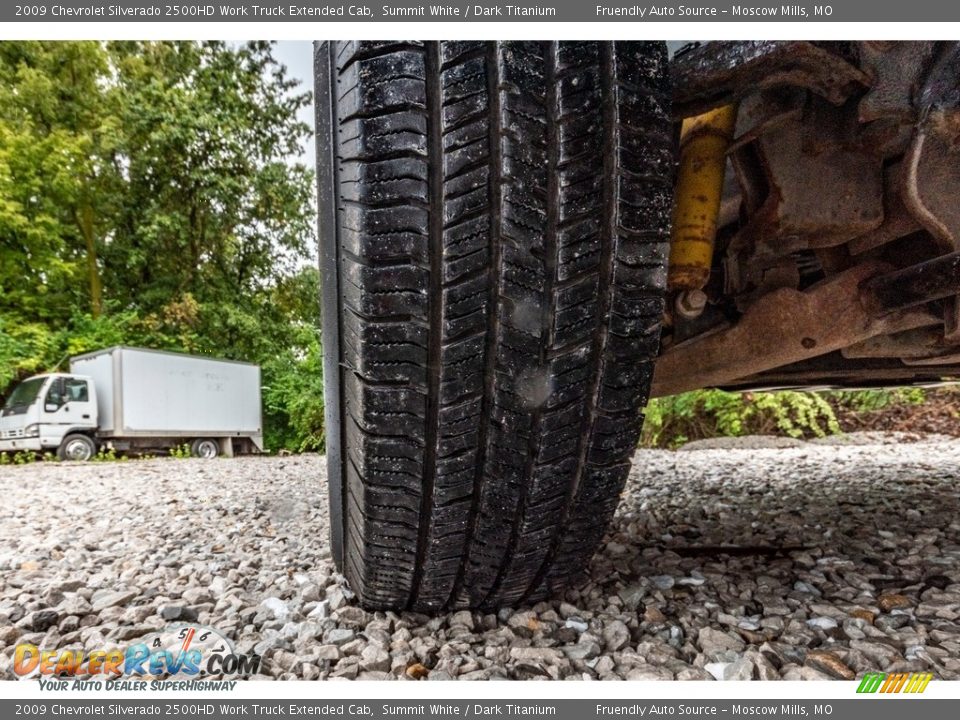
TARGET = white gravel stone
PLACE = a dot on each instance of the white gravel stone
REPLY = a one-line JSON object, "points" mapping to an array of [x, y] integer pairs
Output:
{"points": [[649, 672], [717, 669], [663, 582], [277, 607]]}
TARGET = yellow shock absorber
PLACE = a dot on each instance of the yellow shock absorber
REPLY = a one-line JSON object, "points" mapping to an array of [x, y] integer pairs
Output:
{"points": [[704, 141]]}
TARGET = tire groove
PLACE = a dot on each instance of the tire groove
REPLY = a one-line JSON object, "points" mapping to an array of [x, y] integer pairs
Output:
{"points": [[493, 315], [435, 190]]}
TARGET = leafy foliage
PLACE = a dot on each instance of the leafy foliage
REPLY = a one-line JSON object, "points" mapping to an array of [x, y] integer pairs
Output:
{"points": [[294, 399], [107, 455], [180, 452], [674, 420], [863, 401], [150, 195]]}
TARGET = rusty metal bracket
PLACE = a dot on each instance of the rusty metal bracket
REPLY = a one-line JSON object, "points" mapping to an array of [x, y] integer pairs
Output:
{"points": [[942, 89], [912, 286], [719, 73], [922, 342], [932, 177], [895, 68], [789, 326]]}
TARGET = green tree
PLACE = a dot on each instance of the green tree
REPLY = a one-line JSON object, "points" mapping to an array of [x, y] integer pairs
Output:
{"points": [[214, 207], [151, 194], [53, 140]]}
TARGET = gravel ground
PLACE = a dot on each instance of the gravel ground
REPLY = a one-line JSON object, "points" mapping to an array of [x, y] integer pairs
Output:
{"points": [[805, 562]]}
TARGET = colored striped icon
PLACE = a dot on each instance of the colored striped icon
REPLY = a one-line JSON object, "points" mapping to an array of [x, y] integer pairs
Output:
{"points": [[894, 682]]}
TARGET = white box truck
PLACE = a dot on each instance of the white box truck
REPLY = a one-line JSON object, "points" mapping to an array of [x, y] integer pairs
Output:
{"points": [[133, 399]]}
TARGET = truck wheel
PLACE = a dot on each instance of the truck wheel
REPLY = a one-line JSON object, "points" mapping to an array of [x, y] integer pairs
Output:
{"points": [[205, 448], [77, 448], [494, 226]]}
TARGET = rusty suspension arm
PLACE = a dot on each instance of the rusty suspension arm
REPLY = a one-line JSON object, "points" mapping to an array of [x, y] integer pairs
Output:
{"points": [[915, 285], [791, 326]]}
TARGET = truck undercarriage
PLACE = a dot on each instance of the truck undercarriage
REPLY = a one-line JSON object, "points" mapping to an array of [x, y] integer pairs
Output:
{"points": [[503, 288], [834, 260]]}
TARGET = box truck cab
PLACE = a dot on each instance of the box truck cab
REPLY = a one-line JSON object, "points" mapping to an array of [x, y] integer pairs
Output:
{"points": [[134, 399], [43, 411]]}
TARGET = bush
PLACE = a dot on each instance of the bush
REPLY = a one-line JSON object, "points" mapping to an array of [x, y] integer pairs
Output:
{"points": [[25, 349], [293, 396], [861, 401], [674, 420]]}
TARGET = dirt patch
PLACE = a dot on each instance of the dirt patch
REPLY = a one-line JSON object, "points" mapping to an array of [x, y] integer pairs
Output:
{"points": [[939, 413]]}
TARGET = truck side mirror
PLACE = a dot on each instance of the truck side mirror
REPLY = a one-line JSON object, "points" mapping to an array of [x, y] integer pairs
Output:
{"points": [[51, 407]]}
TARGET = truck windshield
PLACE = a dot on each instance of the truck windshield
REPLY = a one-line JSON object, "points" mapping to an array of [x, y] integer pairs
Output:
{"points": [[23, 396]]}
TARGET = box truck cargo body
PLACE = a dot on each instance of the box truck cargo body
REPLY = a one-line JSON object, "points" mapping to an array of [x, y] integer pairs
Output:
{"points": [[129, 398]]}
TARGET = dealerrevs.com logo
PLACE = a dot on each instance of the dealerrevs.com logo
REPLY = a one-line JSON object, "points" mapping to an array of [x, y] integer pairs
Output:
{"points": [[182, 652]]}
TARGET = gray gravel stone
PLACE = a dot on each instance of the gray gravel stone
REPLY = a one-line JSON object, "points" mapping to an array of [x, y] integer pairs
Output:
{"points": [[734, 563], [339, 636], [744, 442], [663, 582], [583, 650], [40, 620], [717, 669], [712, 640], [174, 613], [9, 635], [649, 672], [102, 600], [374, 659], [197, 596], [464, 618], [742, 669], [327, 652], [616, 635], [546, 656]]}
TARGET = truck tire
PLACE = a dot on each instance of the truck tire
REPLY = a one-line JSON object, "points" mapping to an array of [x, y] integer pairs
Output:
{"points": [[204, 448], [76, 447], [494, 222]]}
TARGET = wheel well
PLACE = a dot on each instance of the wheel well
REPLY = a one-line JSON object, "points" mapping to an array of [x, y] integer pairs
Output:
{"points": [[88, 432]]}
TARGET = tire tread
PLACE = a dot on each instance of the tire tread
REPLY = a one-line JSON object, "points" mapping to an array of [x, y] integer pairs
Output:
{"points": [[502, 219]]}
